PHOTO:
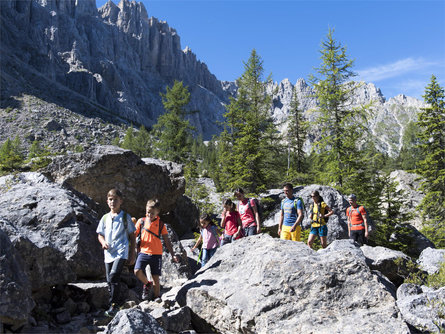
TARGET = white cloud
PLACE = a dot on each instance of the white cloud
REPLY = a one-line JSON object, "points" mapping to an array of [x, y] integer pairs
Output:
{"points": [[395, 69]]}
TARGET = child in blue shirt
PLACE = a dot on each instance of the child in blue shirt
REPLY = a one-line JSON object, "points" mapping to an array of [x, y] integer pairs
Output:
{"points": [[116, 236]]}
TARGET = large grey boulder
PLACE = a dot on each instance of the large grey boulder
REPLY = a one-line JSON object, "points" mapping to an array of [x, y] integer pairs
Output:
{"points": [[97, 170], [262, 284], [174, 274], [422, 307], [431, 259], [175, 321], [52, 228], [15, 290], [134, 321], [337, 224], [391, 263]]}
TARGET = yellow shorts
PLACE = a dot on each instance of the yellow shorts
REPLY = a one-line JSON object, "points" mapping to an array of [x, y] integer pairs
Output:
{"points": [[286, 234]]}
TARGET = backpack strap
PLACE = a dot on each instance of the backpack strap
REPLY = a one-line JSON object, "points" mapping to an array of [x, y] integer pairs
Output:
{"points": [[213, 231], [350, 216], [161, 226], [124, 219], [253, 212]]}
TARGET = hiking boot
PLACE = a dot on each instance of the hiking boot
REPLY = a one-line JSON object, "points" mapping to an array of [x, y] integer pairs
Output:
{"points": [[147, 291], [111, 312]]}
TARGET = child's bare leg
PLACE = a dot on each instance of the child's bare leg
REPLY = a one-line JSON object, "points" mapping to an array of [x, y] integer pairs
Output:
{"points": [[156, 286], [141, 276]]}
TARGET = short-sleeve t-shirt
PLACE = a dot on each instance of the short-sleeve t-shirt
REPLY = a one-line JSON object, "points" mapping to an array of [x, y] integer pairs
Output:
{"points": [[247, 215], [289, 212], [209, 237], [231, 226], [113, 230], [150, 244]]}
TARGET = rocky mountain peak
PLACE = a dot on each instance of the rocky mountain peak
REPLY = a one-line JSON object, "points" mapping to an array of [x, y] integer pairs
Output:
{"points": [[73, 8]]}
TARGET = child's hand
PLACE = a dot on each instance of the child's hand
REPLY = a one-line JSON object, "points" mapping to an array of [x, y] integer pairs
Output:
{"points": [[105, 245]]}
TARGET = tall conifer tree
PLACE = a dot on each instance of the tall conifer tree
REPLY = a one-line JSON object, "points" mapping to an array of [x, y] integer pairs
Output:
{"points": [[341, 124], [173, 131], [296, 135], [432, 168], [248, 141]]}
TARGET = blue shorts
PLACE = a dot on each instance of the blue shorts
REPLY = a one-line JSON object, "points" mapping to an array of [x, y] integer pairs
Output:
{"points": [[155, 262], [321, 231]]}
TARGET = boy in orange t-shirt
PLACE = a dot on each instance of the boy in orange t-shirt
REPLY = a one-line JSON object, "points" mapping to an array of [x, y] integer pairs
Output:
{"points": [[151, 249]]}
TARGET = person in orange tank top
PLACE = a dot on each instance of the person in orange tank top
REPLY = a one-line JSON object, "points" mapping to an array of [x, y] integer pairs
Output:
{"points": [[357, 221]]}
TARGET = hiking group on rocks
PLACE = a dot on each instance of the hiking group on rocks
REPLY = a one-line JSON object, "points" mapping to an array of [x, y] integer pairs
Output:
{"points": [[125, 240]]}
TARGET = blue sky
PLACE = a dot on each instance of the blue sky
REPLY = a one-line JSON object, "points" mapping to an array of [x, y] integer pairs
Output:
{"points": [[397, 45]]}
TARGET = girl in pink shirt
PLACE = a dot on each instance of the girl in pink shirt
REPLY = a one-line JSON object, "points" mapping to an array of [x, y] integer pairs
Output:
{"points": [[231, 222], [209, 238]]}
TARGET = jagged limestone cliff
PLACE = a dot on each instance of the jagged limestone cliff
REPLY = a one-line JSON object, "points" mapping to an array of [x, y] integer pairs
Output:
{"points": [[113, 62]]}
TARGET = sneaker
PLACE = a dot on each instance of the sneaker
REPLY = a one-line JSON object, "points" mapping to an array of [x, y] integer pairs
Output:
{"points": [[111, 312], [147, 291]]}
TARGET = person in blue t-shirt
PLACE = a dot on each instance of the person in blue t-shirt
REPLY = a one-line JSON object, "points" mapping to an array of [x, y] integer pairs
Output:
{"points": [[291, 215], [116, 235]]}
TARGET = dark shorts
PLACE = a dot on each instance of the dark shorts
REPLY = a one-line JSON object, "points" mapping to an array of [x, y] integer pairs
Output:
{"points": [[358, 236], [321, 231], [155, 262]]}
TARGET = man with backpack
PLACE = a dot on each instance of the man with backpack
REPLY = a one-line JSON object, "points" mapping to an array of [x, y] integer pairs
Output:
{"points": [[291, 216], [357, 221]]}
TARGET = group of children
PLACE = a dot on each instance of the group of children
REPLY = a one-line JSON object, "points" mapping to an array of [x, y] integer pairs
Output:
{"points": [[117, 234], [120, 235]]}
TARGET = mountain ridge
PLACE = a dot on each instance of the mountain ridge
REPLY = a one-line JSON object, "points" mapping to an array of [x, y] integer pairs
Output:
{"points": [[113, 62]]}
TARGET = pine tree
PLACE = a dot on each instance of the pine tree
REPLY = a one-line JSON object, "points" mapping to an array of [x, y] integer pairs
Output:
{"points": [[340, 123], [296, 135], [390, 217], [11, 156], [139, 142], [129, 141], [38, 156], [248, 144], [432, 168], [172, 131]]}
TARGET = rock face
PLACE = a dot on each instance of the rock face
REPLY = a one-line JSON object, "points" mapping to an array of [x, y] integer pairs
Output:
{"points": [[113, 62], [409, 183], [14, 286], [388, 123], [115, 59], [431, 259], [48, 224], [389, 262], [422, 307], [101, 168], [247, 287]]}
